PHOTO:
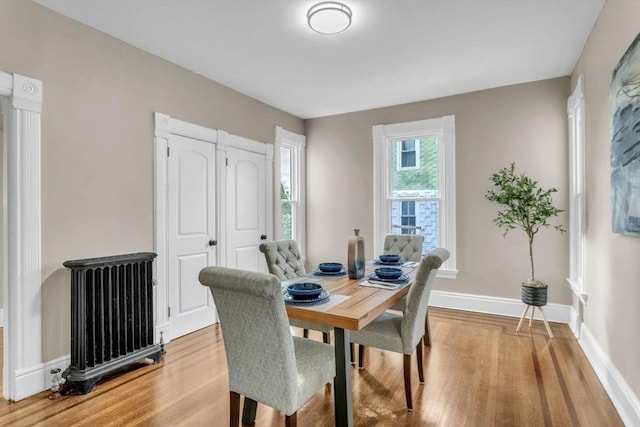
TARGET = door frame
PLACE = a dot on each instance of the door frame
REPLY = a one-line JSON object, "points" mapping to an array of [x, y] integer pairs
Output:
{"points": [[226, 140], [23, 370], [164, 126]]}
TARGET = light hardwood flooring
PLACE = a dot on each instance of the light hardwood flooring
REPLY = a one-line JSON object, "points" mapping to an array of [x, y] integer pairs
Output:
{"points": [[478, 372]]}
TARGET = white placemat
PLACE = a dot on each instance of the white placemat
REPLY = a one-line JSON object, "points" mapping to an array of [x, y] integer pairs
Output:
{"points": [[325, 276], [326, 305], [382, 285]]}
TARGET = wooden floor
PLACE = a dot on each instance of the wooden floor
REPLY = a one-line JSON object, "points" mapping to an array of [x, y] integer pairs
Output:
{"points": [[478, 373]]}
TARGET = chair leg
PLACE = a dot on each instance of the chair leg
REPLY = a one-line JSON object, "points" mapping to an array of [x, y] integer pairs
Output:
{"points": [[407, 381], [353, 353], [291, 420], [249, 410], [234, 408], [420, 362], [427, 332], [305, 333], [361, 356], [326, 338]]}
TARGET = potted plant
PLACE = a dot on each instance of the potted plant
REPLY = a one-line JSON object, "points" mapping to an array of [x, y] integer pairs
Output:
{"points": [[527, 207]]}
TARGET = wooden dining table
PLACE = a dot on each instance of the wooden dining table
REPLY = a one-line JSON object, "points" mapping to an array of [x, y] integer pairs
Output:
{"points": [[359, 306]]}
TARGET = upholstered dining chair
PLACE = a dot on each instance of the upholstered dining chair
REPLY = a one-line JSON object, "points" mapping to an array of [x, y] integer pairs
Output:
{"points": [[285, 262], [265, 362], [404, 333], [408, 246]]}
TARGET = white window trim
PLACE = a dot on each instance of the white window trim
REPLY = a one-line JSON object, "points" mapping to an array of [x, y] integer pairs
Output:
{"points": [[299, 143], [416, 149], [382, 137], [577, 212]]}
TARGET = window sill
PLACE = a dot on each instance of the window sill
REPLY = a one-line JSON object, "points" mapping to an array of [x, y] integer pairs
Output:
{"points": [[576, 288], [447, 274]]}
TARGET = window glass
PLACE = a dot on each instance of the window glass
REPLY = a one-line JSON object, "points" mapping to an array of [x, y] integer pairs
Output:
{"points": [[408, 153], [289, 167], [421, 184], [414, 184]]}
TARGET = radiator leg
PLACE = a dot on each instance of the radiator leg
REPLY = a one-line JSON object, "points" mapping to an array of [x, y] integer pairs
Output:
{"points": [[87, 386]]}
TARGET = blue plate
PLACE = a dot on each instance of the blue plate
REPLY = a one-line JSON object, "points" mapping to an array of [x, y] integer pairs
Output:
{"points": [[389, 273], [289, 299], [332, 273], [399, 281], [330, 267], [379, 262], [304, 290]]}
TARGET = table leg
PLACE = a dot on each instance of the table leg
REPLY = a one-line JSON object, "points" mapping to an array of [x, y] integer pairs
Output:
{"points": [[249, 412], [343, 401]]}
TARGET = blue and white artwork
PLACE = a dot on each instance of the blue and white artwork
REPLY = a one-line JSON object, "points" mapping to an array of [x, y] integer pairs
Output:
{"points": [[625, 142]]}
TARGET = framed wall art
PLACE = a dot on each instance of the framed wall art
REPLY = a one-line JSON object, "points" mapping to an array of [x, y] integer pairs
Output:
{"points": [[625, 142]]}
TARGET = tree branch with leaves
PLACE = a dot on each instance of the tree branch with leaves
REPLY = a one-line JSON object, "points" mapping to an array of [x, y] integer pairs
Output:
{"points": [[524, 206]]}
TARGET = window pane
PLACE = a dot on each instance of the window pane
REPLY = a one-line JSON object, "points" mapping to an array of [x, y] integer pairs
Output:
{"points": [[286, 221], [408, 159], [415, 182], [286, 173], [417, 217]]}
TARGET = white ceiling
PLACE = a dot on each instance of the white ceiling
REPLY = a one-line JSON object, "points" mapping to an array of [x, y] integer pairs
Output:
{"points": [[395, 52]]}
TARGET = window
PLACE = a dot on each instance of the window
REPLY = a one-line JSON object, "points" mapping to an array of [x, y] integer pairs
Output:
{"points": [[414, 184], [409, 156], [289, 167], [575, 111], [408, 218]]}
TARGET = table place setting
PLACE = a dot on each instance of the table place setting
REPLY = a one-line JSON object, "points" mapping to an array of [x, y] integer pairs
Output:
{"points": [[386, 278], [329, 270], [311, 295], [394, 260]]}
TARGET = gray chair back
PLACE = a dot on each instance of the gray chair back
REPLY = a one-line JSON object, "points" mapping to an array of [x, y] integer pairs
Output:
{"points": [[415, 312], [408, 246], [257, 337], [283, 259]]}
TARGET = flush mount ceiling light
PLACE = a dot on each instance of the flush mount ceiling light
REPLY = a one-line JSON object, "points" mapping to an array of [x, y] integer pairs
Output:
{"points": [[329, 17]]}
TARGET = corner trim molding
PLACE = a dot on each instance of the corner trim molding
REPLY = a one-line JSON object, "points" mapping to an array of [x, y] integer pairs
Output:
{"points": [[22, 276]]}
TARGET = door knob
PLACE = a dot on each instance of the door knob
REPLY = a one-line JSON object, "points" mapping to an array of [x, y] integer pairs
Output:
{"points": [[213, 242], [263, 237]]}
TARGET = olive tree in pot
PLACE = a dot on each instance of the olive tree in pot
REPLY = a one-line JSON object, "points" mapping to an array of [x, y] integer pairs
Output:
{"points": [[527, 207]]}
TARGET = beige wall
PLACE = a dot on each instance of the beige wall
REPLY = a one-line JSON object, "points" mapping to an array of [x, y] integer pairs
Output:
{"points": [[1, 212], [612, 313], [524, 123], [97, 136]]}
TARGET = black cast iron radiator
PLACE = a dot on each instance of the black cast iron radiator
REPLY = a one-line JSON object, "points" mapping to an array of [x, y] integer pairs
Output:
{"points": [[111, 316]]}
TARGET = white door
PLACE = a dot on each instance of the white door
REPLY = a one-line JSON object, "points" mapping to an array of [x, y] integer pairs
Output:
{"points": [[191, 232], [246, 209]]}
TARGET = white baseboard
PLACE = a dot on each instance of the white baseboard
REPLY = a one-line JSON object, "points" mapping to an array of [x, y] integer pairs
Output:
{"points": [[625, 401], [36, 379], [495, 305], [29, 381], [1, 318]]}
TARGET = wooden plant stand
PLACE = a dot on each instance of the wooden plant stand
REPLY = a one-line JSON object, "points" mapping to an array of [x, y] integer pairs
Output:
{"points": [[533, 308]]}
